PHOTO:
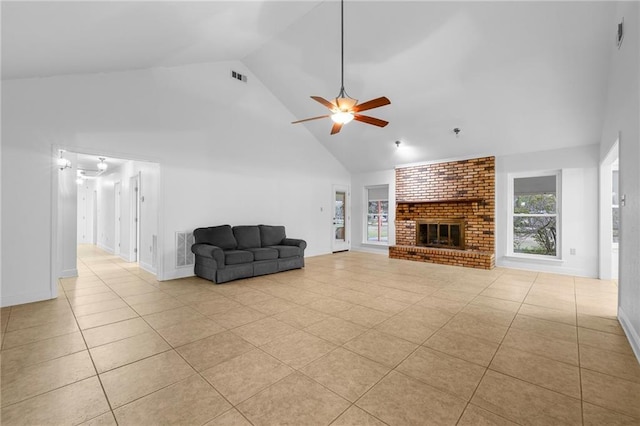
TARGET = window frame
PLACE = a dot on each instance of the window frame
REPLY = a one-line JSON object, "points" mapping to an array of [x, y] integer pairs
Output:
{"points": [[511, 177], [365, 233]]}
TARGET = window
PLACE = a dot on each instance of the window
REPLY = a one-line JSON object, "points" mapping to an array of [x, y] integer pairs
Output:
{"points": [[377, 214], [534, 215]]}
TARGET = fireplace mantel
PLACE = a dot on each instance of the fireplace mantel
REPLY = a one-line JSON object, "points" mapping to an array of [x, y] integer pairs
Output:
{"points": [[442, 200]]}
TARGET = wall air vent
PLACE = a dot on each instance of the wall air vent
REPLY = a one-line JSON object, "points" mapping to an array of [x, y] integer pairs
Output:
{"points": [[620, 34], [236, 75], [184, 256]]}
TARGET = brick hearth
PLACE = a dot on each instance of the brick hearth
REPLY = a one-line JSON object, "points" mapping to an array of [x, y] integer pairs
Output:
{"points": [[457, 190]]}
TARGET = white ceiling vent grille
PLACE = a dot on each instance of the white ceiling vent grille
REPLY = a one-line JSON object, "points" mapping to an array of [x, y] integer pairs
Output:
{"points": [[184, 256], [236, 75]]}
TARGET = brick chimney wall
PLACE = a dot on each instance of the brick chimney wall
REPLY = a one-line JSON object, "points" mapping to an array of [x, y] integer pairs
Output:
{"points": [[458, 189]]}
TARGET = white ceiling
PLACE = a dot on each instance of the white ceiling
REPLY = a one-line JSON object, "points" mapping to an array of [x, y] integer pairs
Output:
{"points": [[514, 76]]}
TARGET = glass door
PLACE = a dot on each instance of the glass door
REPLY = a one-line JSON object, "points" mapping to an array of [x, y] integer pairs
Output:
{"points": [[341, 218]]}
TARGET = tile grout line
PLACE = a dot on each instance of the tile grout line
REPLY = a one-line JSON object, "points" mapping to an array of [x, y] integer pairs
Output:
{"points": [[367, 329], [494, 355]]}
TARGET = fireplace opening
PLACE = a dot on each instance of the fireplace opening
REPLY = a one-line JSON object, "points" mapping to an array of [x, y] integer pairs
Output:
{"points": [[447, 233]]}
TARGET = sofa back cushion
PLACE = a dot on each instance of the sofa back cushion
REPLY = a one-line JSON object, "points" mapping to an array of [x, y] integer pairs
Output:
{"points": [[271, 235], [247, 236], [220, 236]]}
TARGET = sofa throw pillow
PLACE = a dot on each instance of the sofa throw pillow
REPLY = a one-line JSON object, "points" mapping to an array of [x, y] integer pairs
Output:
{"points": [[271, 235], [220, 236], [247, 236]]}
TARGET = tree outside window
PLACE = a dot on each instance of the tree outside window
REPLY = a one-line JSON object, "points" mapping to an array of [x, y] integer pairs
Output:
{"points": [[378, 214], [535, 216]]}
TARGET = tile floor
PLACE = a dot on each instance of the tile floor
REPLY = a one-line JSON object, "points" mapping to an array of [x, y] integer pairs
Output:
{"points": [[352, 339]]}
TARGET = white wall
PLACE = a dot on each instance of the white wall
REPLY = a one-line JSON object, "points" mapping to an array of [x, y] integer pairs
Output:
{"points": [[226, 149], [579, 208], [621, 117], [67, 219], [359, 182], [106, 213], [85, 211]]}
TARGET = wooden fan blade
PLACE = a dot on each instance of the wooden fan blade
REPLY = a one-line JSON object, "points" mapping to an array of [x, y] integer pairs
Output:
{"points": [[324, 102], [309, 119], [336, 128], [374, 103], [370, 120]]}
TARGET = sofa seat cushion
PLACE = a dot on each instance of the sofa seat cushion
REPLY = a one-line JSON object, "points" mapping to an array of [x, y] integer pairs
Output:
{"points": [[236, 257], [219, 236], [271, 235], [264, 253], [247, 237], [287, 251]]}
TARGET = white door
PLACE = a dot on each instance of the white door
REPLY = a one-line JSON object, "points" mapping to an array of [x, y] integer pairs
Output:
{"points": [[341, 218], [135, 217], [83, 225], [116, 194]]}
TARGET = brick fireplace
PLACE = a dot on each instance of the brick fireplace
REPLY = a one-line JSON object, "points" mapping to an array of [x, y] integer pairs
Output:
{"points": [[445, 213]]}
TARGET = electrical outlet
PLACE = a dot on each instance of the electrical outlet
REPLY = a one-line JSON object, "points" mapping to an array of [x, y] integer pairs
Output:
{"points": [[572, 251]]}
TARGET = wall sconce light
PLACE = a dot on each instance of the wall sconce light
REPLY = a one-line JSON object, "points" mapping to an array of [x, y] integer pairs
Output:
{"points": [[62, 162], [398, 144], [102, 166], [457, 131]]}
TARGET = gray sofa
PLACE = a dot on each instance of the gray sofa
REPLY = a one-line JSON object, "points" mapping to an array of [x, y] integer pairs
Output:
{"points": [[224, 253]]}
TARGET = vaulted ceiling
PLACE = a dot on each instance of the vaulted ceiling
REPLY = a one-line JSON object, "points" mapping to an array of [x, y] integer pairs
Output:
{"points": [[513, 76]]}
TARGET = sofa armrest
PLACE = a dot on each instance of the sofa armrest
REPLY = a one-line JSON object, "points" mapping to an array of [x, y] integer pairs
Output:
{"points": [[294, 242], [212, 252]]}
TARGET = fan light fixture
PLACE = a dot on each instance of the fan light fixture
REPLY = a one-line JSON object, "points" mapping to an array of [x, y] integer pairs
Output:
{"points": [[344, 108], [102, 166], [342, 117]]}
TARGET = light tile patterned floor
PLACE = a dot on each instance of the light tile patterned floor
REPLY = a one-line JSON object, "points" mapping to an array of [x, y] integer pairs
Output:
{"points": [[352, 339]]}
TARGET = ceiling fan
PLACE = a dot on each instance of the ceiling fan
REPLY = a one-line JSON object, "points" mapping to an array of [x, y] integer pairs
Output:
{"points": [[344, 108]]}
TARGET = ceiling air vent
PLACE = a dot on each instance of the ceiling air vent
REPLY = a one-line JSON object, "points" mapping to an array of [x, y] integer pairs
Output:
{"points": [[238, 76]]}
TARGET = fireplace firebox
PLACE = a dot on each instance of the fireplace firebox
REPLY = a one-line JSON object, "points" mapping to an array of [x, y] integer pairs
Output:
{"points": [[445, 233]]}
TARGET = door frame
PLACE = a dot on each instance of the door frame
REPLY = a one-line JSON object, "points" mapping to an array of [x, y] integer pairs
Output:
{"points": [[337, 245], [134, 234], [57, 236]]}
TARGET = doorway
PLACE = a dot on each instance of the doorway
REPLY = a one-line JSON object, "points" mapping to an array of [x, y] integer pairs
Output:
{"points": [[341, 219], [107, 199], [609, 214]]}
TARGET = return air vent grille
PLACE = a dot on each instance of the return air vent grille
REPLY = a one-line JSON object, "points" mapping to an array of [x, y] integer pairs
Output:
{"points": [[236, 75], [184, 256]]}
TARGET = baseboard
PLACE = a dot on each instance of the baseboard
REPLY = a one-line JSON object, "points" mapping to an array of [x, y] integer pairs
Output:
{"points": [[632, 334], [105, 248], [384, 250], [148, 267], [21, 299], [68, 273], [178, 273], [542, 265]]}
